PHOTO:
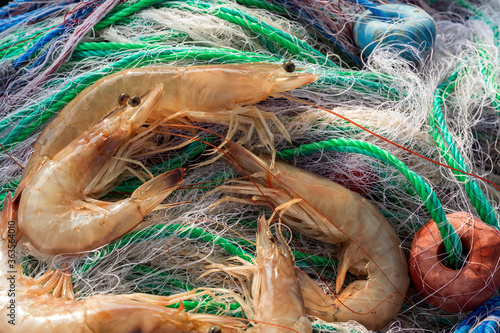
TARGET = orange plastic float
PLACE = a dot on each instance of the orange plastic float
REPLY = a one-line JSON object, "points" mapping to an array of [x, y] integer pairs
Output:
{"points": [[462, 289]]}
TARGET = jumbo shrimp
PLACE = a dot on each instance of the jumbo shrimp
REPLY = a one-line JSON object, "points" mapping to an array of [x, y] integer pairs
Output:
{"points": [[201, 93], [333, 214], [22, 310], [57, 212], [276, 303], [277, 297]]}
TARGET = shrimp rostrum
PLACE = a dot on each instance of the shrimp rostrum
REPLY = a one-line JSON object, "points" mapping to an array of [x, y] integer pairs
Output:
{"points": [[221, 94], [333, 214], [57, 211], [27, 311]]}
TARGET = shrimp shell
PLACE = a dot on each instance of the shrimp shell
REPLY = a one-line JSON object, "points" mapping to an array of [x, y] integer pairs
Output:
{"points": [[277, 297], [207, 88], [333, 214], [57, 212], [21, 311]]}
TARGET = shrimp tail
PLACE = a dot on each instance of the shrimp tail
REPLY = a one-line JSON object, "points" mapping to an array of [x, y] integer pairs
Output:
{"points": [[351, 259], [153, 192], [8, 218], [315, 302], [6, 215]]}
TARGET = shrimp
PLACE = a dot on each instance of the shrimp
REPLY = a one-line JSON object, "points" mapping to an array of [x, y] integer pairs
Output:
{"points": [[277, 297], [201, 93], [25, 311], [333, 214], [56, 212], [277, 305]]}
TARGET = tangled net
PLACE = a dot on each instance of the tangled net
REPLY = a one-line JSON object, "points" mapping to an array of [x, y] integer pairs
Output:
{"points": [[445, 107]]}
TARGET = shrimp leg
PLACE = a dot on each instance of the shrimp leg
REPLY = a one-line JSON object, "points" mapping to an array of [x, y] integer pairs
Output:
{"points": [[247, 119]]}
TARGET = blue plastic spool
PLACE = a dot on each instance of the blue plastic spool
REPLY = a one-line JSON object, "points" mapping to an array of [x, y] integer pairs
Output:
{"points": [[408, 30]]}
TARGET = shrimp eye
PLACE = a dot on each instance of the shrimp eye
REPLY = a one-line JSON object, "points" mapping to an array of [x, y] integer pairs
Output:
{"points": [[289, 66], [123, 98], [134, 101], [214, 329]]}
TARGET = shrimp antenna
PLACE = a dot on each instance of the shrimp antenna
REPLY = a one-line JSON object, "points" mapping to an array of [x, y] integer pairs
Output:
{"points": [[10, 156], [299, 100]]}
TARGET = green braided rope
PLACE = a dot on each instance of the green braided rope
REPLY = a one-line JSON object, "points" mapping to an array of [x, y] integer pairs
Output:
{"points": [[208, 306], [105, 49], [303, 50], [451, 154], [273, 7], [291, 43], [114, 46], [161, 231], [122, 11], [473, 191], [487, 71], [451, 241]]}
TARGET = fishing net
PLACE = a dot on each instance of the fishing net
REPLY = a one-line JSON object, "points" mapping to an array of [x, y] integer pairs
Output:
{"points": [[445, 107]]}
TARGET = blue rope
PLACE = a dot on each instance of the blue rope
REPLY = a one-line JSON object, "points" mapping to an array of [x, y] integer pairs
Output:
{"points": [[61, 30], [372, 8], [29, 17], [313, 21], [484, 319], [29, 5], [39, 44]]}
